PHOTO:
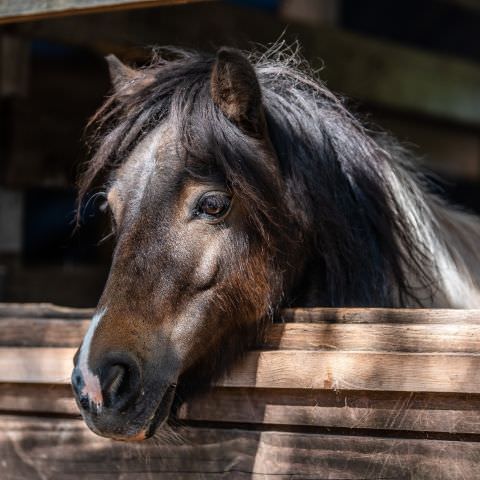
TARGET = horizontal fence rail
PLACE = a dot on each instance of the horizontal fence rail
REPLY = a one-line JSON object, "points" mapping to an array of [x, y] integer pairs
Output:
{"points": [[12, 11], [343, 393]]}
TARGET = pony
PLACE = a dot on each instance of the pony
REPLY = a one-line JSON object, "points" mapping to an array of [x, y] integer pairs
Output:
{"points": [[238, 184]]}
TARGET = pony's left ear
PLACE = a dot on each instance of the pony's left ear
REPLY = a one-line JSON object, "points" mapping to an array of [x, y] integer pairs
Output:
{"points": [[126, 80], [235, 90], [120, 74]]}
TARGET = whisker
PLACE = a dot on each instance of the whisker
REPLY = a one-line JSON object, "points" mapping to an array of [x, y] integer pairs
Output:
{"points": [[106, 237]]}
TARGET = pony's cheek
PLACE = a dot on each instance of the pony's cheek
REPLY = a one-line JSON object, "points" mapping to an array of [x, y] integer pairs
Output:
{"points": [[207, 270], [208, 261]]}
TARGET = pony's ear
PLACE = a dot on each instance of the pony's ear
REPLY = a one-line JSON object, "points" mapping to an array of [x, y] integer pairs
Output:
{"points": [[126, 80], [120, 74], [235, 90]]}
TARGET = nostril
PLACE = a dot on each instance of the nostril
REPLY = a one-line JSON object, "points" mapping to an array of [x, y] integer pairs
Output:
{"points": [[119, 382], [115, 379], [114, 383]]}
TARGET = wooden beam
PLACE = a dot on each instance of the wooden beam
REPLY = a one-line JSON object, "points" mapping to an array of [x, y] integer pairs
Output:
{"points": [[471, 4], [32, 399], [323, 12], [14, 66], [18, 331], [42, 310], [327, 329], [307, 315], [413, 316], [13, 11], [446, 149], [357, 371], [412, 338], [421, 372], [398, 77], [66, 449], [394, 411], [37, 332]]}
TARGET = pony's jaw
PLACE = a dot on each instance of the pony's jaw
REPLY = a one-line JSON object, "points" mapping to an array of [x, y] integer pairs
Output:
{"points": [[131, 425]]}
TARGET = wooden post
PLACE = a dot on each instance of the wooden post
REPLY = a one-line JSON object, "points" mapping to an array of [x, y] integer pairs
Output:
{"points": [[14, 66], [12, 11]]}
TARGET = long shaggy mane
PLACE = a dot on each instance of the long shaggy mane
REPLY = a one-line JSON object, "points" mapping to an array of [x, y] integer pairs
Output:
{"points": [[345, 197]]}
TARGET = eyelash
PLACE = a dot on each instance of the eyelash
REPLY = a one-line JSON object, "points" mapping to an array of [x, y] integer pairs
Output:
{"points": [[223, 200]]}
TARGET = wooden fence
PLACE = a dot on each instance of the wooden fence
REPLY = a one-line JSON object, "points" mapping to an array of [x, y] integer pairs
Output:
{"points": [[332, 393]]}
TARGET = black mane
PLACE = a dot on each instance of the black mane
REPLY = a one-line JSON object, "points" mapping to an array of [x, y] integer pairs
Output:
{"points": [[335, 199]]}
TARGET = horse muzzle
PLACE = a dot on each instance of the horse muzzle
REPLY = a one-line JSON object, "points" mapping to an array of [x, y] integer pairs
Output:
{"points": [[113, 402]]}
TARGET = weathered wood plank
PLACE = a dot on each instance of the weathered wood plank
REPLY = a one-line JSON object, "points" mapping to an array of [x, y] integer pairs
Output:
{"points": [[12, 11], [37, 398], [41, 332], [446, 149], [65, 449], [456, 338], [307, 315], [388, 411], [399, 77], [14, 66], [36, 365], [42, 310], [426, 372], [382, 315], [358, 371]]}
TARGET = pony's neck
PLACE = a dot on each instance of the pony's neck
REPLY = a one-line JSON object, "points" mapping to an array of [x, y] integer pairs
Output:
{"points": [[454, 244], [449, 240]]}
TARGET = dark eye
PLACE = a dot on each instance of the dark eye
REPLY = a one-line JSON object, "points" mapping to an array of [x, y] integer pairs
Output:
{"points": [[213, 205]]}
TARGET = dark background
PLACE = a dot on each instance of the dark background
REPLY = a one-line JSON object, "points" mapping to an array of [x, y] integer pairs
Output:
{"points": [[411, 67]]}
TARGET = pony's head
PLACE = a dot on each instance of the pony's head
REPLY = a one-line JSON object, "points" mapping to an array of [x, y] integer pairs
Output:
{"points": [[234, 189], [197, 264]]}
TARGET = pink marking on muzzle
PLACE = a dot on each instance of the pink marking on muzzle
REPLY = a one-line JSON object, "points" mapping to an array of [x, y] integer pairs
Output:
{"points": [[91, 388]]}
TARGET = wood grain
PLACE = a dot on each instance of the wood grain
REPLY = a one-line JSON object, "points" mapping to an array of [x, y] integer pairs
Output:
{"points": [[350, 394], [286, 408], [358, 371], [38, 332], [42, 310], [452, 338], [64, 449], [36, 365], [381, 315], [308, 315], [385, 411], [12, 11], [288, 369], [30, 398], [327, 329]]}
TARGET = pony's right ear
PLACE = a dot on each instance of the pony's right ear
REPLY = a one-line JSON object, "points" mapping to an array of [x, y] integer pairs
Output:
{"points": [[235, 89], [125, 80]]}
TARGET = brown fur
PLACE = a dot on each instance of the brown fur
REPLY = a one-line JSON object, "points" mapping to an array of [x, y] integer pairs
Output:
{"points": [[320, 213]]}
